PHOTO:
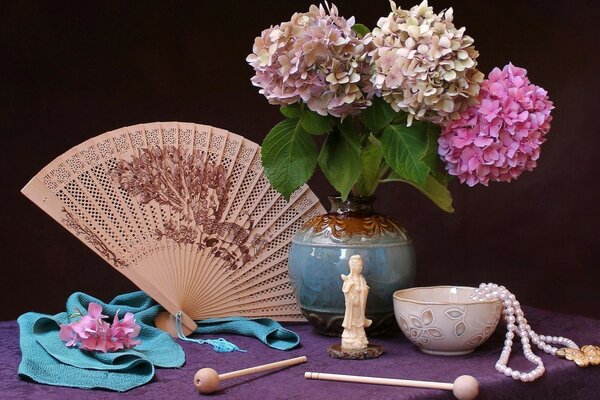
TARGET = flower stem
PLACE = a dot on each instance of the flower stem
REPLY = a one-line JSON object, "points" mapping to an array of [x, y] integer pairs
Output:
{"points": [[365, 188]]}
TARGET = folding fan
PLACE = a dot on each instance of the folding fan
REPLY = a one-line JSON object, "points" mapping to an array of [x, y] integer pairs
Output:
{"points": [[185, 212]]}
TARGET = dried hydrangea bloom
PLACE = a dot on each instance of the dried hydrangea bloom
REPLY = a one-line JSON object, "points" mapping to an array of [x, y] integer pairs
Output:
{"points": [[499, 138], [423, 64], [316, 58]]}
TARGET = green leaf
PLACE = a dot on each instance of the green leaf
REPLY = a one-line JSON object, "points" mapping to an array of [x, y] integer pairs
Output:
{"points": [[443, 177], [378, 115], [430, 157], [361, 29], [433, 188], [370, 160], [340, 158], [289, 156], [314, 123], [404, 148], [291, 111]]}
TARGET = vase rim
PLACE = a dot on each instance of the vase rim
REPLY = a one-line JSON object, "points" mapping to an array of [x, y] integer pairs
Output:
{"points": [[358, 206]]}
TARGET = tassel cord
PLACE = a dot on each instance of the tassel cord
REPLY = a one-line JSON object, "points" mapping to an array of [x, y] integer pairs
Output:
{"points": [[219, 345]]}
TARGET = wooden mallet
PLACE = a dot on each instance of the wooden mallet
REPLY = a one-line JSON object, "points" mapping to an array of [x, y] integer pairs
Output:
{"points": [[207, 380], [465, 387]]}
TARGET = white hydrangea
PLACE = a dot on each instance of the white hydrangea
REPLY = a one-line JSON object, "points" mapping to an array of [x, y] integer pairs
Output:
{"points": [[424, 65]]}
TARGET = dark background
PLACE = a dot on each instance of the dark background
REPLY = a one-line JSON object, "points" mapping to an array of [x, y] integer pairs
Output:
{"points": [[73, 70]]}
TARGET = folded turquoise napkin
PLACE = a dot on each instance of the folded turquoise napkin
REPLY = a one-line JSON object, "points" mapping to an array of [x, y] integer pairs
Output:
{"points": [[46, 359], [264, 329]]}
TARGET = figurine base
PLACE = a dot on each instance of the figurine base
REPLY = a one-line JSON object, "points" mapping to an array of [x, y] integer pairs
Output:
{"points": [[372, 351]]}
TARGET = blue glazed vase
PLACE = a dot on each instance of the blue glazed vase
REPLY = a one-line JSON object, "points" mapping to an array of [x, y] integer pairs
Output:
{"points": [[320, 252]]}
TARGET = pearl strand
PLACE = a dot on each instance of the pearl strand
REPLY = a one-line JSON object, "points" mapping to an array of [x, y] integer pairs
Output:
{"points": [[516, 323]]}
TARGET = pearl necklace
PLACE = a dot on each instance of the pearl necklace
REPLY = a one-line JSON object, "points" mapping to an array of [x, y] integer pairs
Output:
{"points": [[516, 323]]}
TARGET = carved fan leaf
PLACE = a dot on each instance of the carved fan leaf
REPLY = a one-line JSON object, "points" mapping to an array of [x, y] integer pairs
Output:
{"points": [[195, 189]]}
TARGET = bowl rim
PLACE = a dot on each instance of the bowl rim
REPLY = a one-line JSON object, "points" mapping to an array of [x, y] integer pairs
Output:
{"points": [[398, 292]]}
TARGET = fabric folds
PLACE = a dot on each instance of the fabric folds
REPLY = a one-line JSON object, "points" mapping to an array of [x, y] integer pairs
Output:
{"points": [[46, 359]]}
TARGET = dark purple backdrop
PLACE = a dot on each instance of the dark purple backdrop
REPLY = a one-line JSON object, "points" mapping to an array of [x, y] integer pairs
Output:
{"points": [[70, 71]]}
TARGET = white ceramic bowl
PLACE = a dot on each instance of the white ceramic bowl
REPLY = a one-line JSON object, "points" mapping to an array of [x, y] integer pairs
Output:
{"points": [[443, 320]]}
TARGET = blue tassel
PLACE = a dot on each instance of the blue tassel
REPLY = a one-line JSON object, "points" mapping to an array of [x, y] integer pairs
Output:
{"points": [[219, 345], [222, 346]]}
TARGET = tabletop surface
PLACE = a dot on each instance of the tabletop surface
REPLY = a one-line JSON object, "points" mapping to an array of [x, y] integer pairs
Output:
{"points": [[563, 379]]}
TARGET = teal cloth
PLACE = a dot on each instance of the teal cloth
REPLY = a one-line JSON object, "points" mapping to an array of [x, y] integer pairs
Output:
{"points": [[46, 359], [266, 330]]}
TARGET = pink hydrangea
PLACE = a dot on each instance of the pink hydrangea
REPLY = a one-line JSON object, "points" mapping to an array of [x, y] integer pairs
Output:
{"points": [[315, 58], [92, 333], [500, 137]]}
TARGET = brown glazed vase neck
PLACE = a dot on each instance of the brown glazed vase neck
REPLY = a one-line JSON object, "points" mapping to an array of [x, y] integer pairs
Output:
{"points": [[352, 206], [351, 222]]}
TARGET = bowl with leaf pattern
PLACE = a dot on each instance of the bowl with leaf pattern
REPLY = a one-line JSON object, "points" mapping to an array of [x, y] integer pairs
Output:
{"points": [[444, 320]]}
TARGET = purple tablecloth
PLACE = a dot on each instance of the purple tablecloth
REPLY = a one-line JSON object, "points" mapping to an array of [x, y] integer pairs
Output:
{"points": [[563, 379]]}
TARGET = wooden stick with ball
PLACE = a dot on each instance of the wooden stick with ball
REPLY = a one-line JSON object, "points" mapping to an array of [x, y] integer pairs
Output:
{"points": [[207, 380], [465, 387]]}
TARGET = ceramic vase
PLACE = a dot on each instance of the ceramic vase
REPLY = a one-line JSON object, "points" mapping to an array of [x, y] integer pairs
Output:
{"points": [[320, 252]]}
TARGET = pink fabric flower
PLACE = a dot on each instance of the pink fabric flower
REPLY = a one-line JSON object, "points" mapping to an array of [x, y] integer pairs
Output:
{"points": [[499, 138], [124, 331], [67, 334], [92, 333]]}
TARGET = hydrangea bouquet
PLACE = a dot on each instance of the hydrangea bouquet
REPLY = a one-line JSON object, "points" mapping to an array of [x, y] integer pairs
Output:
{"points": [[403, 102]]}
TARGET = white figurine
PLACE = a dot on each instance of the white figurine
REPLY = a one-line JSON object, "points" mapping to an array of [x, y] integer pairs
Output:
{"points": [[355, 293]]}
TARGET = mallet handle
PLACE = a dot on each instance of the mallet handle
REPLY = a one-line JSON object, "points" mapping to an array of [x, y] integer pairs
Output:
{"points": [[378, 381], [264, 367]]}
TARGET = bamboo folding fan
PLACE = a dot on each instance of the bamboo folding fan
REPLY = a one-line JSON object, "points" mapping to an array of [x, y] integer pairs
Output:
{"points": [[186, 213]]}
